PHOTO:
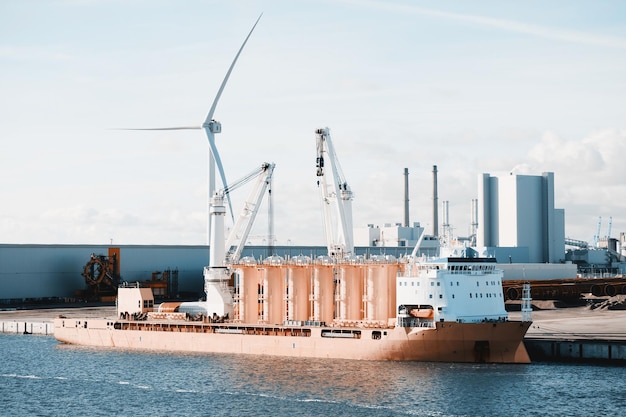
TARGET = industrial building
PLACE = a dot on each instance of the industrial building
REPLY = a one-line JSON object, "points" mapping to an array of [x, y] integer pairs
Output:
{"points": [[517, 211], [395, 235], [515, 222], [52, 273]]}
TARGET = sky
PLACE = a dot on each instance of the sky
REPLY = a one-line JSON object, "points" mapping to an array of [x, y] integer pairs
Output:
{"points": [[472, 87]]}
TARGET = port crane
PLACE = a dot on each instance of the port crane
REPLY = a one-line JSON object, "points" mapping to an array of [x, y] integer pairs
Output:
{"points": [[596, 237], [336, 198]]}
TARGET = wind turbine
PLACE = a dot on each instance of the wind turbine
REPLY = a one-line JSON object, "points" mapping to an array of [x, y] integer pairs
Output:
{"points": [[211, 127]]}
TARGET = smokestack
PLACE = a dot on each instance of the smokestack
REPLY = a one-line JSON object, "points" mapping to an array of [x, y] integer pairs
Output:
{"points": [[406, 197], [435, 203]]}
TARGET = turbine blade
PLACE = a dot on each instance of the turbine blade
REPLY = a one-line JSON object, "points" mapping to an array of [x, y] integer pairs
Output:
{"points": [[161, 128], [219, 92], [220, 167]]}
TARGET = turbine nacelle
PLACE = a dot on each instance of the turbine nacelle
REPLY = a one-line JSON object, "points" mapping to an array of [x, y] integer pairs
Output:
{"points": [[214, 126]]}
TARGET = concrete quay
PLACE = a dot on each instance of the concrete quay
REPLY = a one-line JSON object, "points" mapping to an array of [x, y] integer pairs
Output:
{"points": [[27, 327], [40, 320], [576, 334]]}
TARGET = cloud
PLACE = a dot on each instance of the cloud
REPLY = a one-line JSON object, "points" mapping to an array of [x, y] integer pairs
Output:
{"points": [[559, 34], [559, 153], [597, 155], [589, 178]]}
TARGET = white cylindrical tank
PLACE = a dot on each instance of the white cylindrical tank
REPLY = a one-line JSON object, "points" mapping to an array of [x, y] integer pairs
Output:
{"points": [[274, 285], [379, 291], [350, 281], [249, 293], [298, 292], [322, 282], [369, 295]]}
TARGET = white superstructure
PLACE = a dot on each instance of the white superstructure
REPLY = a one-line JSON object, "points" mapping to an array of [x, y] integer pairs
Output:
{"points": [[452, 289]]}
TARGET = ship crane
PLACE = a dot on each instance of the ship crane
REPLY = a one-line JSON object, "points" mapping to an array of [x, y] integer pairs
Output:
{"points": [[336, 198], [241, 229], [222, 251]]}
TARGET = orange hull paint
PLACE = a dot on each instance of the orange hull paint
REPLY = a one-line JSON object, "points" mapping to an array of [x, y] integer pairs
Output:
{"points": [[447, 342]]}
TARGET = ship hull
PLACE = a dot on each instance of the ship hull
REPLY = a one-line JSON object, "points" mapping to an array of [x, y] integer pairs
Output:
{"points": [[489, 342]]}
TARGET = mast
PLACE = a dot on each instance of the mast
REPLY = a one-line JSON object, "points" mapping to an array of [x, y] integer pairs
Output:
{"points": [[406, 197], [435, 203]]}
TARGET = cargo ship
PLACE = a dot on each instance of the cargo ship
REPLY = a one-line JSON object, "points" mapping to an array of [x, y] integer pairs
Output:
{"points": [[449, 309], [337, 306]]}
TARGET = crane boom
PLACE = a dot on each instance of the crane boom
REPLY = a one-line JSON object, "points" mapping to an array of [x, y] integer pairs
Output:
{"points": [[216, 275], [336, 198], [241, 229]]}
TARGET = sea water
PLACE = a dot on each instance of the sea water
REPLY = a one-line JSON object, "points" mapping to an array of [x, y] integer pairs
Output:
{"points": [[41, 377]]}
